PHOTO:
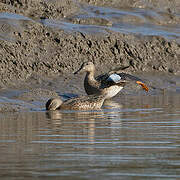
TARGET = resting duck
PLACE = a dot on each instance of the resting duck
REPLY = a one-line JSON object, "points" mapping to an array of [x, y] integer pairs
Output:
{"points": [[106, 84], [90, 102]]}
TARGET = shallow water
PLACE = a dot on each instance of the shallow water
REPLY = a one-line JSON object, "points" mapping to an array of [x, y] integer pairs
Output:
{"points": [[133, 137], [130, 20], [139, 21], [96, 19]]}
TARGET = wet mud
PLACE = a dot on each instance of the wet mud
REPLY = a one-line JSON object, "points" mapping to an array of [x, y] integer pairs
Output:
{"points": [[43, 42]]}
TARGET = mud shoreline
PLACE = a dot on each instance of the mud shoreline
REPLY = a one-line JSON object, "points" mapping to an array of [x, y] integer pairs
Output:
{"points": [[36, 55], [35, 48]]}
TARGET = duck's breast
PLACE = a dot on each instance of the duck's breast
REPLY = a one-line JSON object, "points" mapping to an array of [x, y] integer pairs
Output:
{"points": [[112, 91]]}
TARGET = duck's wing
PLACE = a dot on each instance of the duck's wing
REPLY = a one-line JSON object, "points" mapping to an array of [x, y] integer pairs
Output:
{"points": [[84, 102], [102, 81], [107, 80], [102, 77], [129, 77], [119, 79], [126, 76]]}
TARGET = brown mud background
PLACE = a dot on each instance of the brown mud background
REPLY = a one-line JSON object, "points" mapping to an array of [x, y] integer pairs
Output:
{"points": [[38, 59]]}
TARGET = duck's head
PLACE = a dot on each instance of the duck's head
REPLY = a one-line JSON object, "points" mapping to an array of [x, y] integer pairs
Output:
{"points": [[53, 104], [86, 67]]}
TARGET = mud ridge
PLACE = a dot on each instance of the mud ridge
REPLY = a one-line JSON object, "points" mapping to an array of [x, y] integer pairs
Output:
{"points": [[34, 49]]}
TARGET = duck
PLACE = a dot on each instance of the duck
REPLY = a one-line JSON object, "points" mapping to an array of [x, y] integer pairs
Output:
{"points": [[89, 102], [108, 84]]}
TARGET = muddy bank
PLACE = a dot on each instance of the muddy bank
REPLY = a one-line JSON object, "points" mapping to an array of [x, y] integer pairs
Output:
{"points": [[42, 51], [34, 46], [30, 47]]}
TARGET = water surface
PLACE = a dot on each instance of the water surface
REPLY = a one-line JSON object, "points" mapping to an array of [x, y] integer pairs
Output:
{"points": [[133, 137]]}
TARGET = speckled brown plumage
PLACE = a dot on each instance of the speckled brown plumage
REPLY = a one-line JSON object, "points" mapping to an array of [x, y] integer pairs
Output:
{"points": [[90, 102]]}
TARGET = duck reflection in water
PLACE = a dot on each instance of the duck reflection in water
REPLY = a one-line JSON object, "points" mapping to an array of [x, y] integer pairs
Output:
{"points": [[86, 123]]}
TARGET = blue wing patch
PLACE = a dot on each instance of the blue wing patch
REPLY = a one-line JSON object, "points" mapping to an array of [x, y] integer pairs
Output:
{"points": [[114, 77]]}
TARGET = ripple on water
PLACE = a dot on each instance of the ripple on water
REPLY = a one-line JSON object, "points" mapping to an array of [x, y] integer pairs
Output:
{"points": [[94, 144]]}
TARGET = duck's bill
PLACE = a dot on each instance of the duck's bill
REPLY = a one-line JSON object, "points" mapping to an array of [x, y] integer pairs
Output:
{"points": [[79, 71], [143, 85]]}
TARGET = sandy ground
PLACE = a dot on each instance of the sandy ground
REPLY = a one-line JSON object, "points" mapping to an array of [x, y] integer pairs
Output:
{"points": [[37, 60]]}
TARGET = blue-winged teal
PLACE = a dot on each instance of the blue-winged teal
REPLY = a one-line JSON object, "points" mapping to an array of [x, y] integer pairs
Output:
{"points": [[90, 102], [107, 84]]}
